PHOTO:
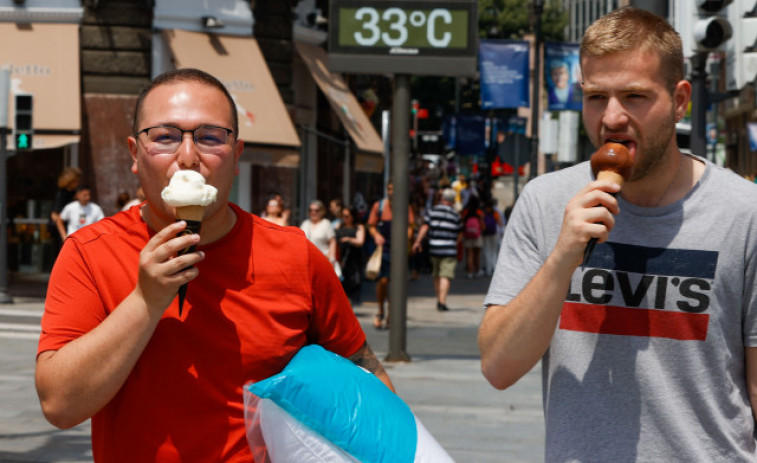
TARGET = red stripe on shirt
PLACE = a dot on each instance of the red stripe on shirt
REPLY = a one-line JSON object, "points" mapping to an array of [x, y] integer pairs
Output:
{"points": [[607, 319]]}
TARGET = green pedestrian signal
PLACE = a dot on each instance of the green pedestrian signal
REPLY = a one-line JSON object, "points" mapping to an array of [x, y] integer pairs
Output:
{"points": [[23, 141], [22, 128]]}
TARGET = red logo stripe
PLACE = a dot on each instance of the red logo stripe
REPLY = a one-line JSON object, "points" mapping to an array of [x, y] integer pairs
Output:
{"points": [[607, 319]]}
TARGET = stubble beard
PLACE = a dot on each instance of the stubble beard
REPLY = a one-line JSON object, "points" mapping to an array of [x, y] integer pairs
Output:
{"points": [[654, 151]]}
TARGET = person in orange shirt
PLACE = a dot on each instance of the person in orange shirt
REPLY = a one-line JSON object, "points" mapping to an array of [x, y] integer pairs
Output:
{"points": [[159, 385]]}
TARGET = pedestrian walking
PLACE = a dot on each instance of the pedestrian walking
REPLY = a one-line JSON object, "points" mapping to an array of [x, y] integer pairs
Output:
{"points": [[473, 242], [649, 347], [81, 212], [336, 206], [274, 211], [319, 230], [351, 237], [68, 182], [379, 227], [444, 228], [490, 235]]}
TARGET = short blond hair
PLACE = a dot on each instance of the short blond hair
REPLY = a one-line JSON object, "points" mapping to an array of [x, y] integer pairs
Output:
{"points": [[627, 29]]}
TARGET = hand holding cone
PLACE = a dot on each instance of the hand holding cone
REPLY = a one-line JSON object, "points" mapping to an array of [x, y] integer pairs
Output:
{"points": [[189, 194], [614, 163]]}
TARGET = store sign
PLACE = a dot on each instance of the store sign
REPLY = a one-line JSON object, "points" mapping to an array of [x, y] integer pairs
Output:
{"points": [[409, 37]]}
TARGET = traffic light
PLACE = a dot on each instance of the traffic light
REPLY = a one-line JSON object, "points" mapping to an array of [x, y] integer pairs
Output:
{"points": [[23, 131], [741, 54], [712, 28], [704, 25]]}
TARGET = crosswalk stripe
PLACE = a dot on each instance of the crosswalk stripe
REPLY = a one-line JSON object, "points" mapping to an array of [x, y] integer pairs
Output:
{"points": [[17, 335], [21, 313], [19, 327]]}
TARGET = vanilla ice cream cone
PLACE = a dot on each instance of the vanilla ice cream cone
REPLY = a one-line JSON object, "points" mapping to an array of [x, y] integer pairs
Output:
{"points": [[189, 194]]}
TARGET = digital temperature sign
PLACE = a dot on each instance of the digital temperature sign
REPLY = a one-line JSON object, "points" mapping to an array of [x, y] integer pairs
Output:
{"points": [[409, 37]]}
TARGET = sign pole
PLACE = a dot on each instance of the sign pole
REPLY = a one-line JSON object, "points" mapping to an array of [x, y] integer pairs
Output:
{"points": [[5, 298], [398, 254], [535, 101]]}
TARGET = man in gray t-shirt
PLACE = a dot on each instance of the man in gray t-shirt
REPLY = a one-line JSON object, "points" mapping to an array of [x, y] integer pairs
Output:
{"points": [[649, 349]]}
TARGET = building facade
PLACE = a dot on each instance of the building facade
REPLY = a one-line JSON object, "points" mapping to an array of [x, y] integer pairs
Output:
{"points": [[86, 62]]}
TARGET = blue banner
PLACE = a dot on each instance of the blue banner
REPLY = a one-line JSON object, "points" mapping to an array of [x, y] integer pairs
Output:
{"points": [[504, 73], [752, 127], [562, 76], [471, 135]]}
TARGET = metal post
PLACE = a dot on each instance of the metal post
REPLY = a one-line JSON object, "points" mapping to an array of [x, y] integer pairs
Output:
{"points": [[516, 167], [398, 255], [346, 174], [535, 101], [5, 297], [385, 134], [698, 144]]}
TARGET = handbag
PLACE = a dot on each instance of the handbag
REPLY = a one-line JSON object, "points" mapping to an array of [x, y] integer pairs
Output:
{"points": [[373, 268], [338, 270]]}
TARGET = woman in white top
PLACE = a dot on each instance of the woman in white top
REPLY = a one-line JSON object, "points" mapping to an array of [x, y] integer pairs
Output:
{"points": [[319, 231]]}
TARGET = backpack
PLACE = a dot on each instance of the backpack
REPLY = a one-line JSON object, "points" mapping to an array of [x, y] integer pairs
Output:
{"points": [[472, 227], [490, 224]]}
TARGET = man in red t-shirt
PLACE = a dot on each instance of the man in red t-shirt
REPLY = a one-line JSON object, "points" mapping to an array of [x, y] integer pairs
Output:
{"points": [[160, 386]]}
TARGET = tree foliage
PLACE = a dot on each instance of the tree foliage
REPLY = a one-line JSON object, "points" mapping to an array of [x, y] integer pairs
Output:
{"points": [[511, 19]]}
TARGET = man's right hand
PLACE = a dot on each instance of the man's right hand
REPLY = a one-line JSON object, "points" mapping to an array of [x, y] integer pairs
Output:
{"points": [[162, 271], [589, 214]]}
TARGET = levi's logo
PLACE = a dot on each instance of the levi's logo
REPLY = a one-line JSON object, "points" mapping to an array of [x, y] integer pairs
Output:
{"points": [[639, 291]]}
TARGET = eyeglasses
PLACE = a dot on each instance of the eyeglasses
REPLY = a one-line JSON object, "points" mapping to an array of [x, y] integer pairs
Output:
{"points": [[314, 209], [165, 139]]}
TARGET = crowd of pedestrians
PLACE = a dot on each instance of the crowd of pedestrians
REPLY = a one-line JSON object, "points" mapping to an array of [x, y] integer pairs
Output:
{"points": [[449, 222]]}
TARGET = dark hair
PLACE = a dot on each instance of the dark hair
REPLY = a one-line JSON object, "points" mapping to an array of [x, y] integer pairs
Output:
{"points": [[186, 75], [472, 208], [122, 198], [354, 213]]}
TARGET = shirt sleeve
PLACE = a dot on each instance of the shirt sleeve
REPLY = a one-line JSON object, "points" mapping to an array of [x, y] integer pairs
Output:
{"points": [[73, 305], [65, 213]]}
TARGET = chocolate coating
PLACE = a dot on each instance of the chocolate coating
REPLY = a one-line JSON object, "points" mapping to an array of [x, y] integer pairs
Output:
{"points": [[612, 157]]}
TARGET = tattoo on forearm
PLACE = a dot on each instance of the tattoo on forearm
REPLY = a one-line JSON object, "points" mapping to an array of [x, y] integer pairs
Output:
{"points": [[365, 358]]}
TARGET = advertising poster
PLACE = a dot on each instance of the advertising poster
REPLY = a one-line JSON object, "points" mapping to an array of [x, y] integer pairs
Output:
{"points": [[752, 127], [562, 76], [504, 73]]}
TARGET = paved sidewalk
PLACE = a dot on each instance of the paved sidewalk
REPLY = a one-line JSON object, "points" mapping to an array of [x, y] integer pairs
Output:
{"points": [[442, 384]]}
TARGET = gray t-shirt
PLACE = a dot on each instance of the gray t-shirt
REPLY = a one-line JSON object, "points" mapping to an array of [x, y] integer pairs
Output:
{"points": [[647, 360]]}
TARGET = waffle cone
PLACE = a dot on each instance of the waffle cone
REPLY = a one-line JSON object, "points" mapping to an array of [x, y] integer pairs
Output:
{"points": [[610, 176], [190, 213]]}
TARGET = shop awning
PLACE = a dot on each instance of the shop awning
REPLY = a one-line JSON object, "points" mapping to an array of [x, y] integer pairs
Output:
{"points": [[238, 63], [44, 62], [343, 102]]}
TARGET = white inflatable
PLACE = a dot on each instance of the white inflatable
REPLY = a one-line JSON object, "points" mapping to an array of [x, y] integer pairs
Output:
{"points": [[324, 409]]}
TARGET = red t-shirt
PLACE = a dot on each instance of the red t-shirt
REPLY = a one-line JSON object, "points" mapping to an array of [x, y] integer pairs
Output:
{"points": [[262, 293]]}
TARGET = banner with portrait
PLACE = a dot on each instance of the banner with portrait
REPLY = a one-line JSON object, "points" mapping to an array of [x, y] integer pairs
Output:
{"points": [[562, 76], [504, 73]]}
